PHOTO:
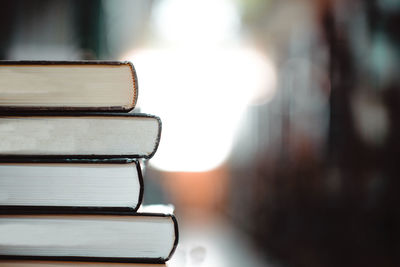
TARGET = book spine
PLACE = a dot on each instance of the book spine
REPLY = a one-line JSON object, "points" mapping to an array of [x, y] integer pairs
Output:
{"points": [[176, 241]]}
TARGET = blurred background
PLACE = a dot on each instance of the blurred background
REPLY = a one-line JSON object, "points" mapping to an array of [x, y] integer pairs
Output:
{"points": [[281, 118]]}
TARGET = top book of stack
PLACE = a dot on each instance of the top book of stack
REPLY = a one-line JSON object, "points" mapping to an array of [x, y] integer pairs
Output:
{"points": [[67, 85]]}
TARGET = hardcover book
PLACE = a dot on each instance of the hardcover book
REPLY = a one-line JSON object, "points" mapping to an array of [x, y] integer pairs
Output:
{"points": [[41, 263], [79, 135], [67, 85], [70, 184], [96, 236]]}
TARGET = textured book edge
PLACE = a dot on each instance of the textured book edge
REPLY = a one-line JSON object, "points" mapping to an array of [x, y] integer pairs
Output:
{"points": [[101, 259], [135, 88], [83, 114], [12, 209]]}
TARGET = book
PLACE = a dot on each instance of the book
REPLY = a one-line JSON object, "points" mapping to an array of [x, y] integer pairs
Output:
{"points": [[79, 135], [39, 263], [70, 184], [68, 85], [148, 236]]}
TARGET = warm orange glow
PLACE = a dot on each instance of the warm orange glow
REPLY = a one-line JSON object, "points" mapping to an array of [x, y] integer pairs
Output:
{"points": [[197, 194]]}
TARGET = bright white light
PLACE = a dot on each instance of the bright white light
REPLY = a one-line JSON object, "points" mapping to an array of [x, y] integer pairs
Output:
{"points": [[200, 98], [201, 87], [196, 22]]}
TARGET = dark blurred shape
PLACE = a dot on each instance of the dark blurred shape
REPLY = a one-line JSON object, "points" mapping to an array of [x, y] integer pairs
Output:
{"points": [[6, 25], [89, 24], [60, 29], [329, 199], [71, 29]]}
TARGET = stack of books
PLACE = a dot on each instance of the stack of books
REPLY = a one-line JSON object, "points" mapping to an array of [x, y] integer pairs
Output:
{"points": [[71, 183]]}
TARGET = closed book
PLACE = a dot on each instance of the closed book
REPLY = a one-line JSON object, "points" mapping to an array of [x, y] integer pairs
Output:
{"points": [[79, 135], [67, 85], [41, 263], [70, 184], [148, 236]]}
